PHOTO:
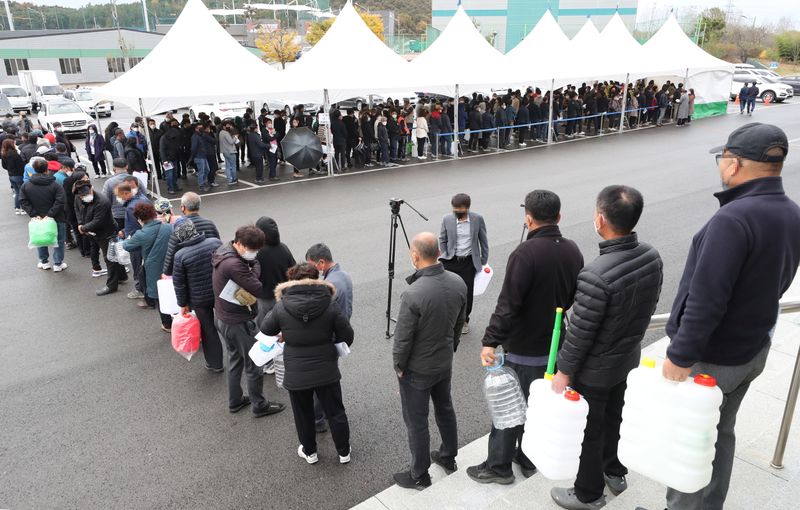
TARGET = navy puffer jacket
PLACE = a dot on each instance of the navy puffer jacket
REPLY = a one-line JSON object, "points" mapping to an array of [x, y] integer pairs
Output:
{"points": [[191, 274]]}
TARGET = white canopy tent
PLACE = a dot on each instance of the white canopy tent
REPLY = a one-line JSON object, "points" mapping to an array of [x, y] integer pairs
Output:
{"points": [[676, 56], [175, 75], [544, 46]]}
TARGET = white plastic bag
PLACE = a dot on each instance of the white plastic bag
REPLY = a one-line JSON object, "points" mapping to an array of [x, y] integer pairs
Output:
{"points": [[279, 370], [117, 253], [167, 301]]}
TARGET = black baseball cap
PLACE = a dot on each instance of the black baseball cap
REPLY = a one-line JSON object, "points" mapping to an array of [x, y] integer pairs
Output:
{"points": [[753, 141]]}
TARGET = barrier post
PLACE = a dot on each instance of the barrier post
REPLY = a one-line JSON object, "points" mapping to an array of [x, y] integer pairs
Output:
{"points": [[456, 139], [624, 101], [550, 114]]}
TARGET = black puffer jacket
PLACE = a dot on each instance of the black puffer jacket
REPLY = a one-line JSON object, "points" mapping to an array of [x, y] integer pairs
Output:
{"points": [[95, 216], [308, 319], [169, 146], [275, 258], [43, 196], [617, 293], [191, 274]]}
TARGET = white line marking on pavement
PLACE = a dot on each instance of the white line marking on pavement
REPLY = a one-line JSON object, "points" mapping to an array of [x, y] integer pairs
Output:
{"points": [[248, 183]]}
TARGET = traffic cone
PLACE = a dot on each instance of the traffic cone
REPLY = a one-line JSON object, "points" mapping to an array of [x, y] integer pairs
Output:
{"points": [[736, 101], [768, 99]]}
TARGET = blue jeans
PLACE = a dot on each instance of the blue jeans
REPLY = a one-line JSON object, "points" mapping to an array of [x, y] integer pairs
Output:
{"points": [[201, 164], [58, 251], [169, 176], [16, 184], [751, 105], [230, 166]]}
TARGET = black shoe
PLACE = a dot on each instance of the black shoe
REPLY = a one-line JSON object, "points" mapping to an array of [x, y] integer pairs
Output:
{"points": [[616, 484], [449, 466], [272, 408], [482, 474], [320, 427], [241, 405], [525, 464], [70, 246], [215, 370], [406, 481], [105, 291]]}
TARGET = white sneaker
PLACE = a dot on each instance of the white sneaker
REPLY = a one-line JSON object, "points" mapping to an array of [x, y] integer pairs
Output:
{"points": [[43, 265], [19, 211], [311, 459], [523, 145], [346, 458], [97, 274], [60, 267], [135, 294]]}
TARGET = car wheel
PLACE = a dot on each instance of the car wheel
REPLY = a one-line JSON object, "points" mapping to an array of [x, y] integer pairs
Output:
{"points": [[768, 96], [359, 104]]}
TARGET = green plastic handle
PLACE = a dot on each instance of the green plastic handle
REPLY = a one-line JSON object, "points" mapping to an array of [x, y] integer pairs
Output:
{"points": [[551, 361]]}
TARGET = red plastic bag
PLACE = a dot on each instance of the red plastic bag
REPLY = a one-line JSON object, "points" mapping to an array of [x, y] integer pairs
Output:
{"points": [[186, 334]]}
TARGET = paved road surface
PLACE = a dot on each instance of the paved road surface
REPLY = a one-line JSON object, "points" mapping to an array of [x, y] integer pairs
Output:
{"points": [[99, 412]]}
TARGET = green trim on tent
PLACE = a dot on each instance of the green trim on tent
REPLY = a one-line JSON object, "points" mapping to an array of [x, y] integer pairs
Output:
{"points": [[710, 109]]}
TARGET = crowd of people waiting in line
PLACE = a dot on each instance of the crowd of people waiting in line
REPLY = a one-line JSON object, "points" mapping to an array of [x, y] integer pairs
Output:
{"points": [[721, 321]]}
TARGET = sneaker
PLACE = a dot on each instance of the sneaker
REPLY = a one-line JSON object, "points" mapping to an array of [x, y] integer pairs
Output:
{"points": [[616, 484], [566, 498], [272, 408], [241, 405], [214, 185], [482, 474], [99, 273], [135, 294], [346, 458], [57, 268], [406, 481], [465, 329], [449, 466], [311, 459], [43, 265], [523, 145]]}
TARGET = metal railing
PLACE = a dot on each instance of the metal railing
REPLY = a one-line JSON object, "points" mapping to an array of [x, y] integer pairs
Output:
{"points": [[786, 305]]}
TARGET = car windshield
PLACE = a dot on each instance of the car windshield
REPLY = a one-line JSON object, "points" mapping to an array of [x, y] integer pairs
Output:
{"points": [[59, 108], [52, 90], [15, 92], [83, 95]]}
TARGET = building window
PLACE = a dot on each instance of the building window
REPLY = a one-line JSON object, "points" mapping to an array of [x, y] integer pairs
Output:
{"points": [[15, 65], [70, 65], [116, 64], [132, 61]]}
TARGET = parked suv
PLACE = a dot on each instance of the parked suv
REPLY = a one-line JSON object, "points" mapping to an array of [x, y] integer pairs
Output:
{"points": [[770, 91]]}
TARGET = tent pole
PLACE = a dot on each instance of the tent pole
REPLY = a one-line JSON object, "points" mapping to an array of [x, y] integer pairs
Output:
{"points": [[550, 116], [455, 124], [623, 113], [153, 173], [326, 108]]}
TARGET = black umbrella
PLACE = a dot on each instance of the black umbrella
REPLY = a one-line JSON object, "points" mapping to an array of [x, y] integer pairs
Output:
{"points": [[302, 148]]}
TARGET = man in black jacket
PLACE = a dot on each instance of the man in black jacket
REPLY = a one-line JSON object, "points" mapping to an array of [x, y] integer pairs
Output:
{"points": [[739, 265], [428, 329], [275, 259], [42, 197], [96, 223], [257, 149], [339, 133], [190, 208], [351, 124], [540, 276], [616, 296], [169, 150], [193, 289]]}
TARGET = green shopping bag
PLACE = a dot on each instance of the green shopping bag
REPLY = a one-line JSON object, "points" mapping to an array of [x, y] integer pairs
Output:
{"points": [[42, 233]]}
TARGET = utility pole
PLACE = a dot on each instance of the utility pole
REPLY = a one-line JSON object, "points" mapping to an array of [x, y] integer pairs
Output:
{"points": [[146, 20], [10, 18]]}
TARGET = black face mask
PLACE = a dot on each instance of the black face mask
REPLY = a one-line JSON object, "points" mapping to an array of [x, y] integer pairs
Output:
{"points": [[461, 214]]}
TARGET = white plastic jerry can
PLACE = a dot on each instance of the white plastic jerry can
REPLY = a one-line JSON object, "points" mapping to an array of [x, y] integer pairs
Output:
{"points": [[669, 429], [554, 430], [482, 279]]}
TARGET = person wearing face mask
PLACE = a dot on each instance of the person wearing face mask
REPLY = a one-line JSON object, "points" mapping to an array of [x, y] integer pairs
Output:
{"points": [[120, 173], [739, 265], [151, 242], [155, 138], [190, 209], [429, 323], [270, 139], [464, 245], [127, 194], [62, 137], [227, 146], [95, 144], [394, 135], [95, 222], [383, 141], [257, 150], [616, 295], [541, 275], [235, 264]]}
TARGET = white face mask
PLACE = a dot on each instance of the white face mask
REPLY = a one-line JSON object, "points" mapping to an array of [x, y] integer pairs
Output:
{"points": [[249, 255], [135, 190], [69, 173], [120, 201], [87, 198]]}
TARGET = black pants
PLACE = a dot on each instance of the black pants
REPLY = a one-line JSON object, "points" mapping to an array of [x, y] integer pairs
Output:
{"points": [[416, 391], [340, 156], [99, 164], [272, 160], [503, 444], [239, 338], [330, 397], [473, 140], [351, 144], [212, 348], [258, 162], [116, 272], [600, 440], [522, 134], [463, 267]]}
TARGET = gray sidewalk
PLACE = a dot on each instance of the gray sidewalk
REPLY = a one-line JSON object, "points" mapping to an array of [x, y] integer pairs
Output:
{"points": [[754, 484]]}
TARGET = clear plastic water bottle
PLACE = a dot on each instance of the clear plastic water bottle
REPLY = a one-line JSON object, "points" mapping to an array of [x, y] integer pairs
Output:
{"points": [[504, 395], [279, 370]]}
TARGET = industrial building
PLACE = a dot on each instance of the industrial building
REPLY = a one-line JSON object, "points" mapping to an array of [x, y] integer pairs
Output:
{"points": [[505, 23]]}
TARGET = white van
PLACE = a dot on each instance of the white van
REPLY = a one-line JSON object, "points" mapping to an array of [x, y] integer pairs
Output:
{"points": [[18, 97]]}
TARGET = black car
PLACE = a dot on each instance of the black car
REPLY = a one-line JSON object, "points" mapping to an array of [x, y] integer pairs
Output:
{"points": [[794, 81]]}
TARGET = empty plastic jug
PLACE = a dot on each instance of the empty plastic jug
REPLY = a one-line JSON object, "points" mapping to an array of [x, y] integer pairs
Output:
{"points": [[277, 364], [554, 430], [482, 279], [669, 429], [504, 395]]}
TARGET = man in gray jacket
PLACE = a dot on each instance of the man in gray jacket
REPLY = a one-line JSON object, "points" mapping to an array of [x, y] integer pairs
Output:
{"points": [[429, 324], [464, 245]]}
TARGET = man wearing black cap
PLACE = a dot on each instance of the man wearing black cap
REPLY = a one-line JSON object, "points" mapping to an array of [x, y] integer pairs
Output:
{"points": [[739, 265]]}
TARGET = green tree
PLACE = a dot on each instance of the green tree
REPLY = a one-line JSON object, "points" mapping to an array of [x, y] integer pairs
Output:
{"points": [[788, 44], [712, 24]]}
